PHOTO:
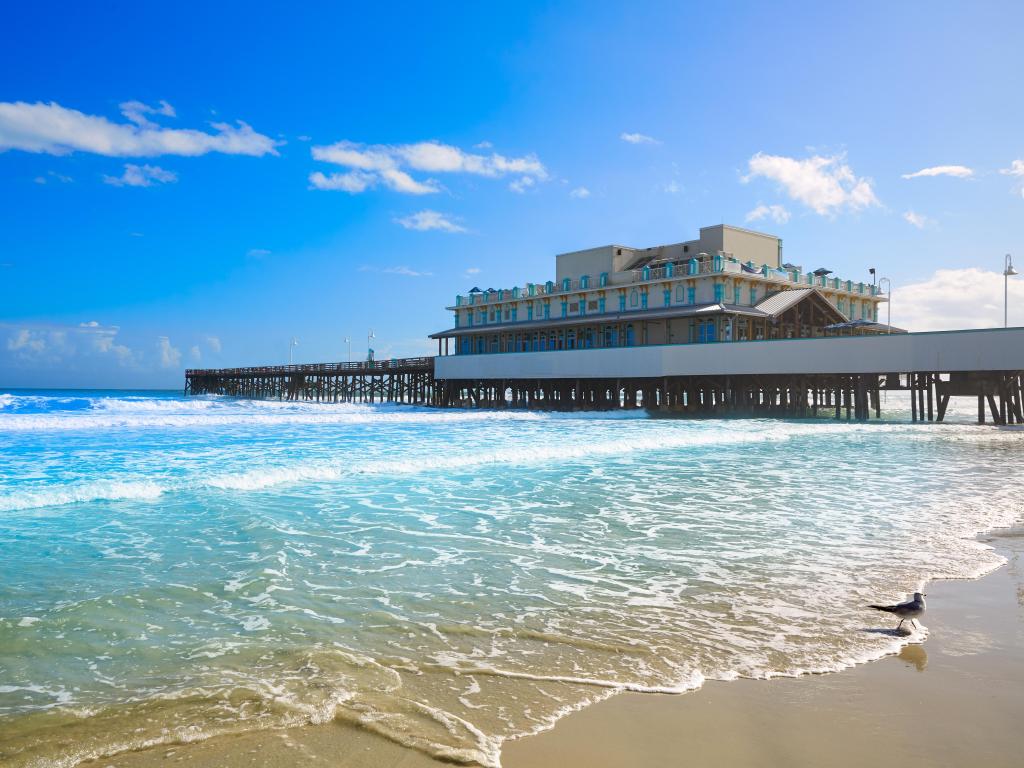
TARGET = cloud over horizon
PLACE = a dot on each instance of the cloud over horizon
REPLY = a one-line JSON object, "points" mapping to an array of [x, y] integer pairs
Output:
{"points": [[956, 298]]}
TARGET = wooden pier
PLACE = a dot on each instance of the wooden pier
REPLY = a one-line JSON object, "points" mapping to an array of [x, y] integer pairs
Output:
{"points": [[408, 380]]}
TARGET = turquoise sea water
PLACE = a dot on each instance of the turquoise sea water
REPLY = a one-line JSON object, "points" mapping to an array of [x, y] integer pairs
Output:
{"points": [[172, 569]]}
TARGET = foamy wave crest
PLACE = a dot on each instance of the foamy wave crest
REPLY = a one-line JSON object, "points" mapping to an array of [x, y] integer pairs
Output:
{"points": [[101, 490]]}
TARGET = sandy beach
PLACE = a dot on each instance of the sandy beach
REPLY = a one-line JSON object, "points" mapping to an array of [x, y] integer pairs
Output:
{"points": [[956, 700]]}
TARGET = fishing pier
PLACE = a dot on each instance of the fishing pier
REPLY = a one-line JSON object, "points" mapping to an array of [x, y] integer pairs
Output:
{"points": [[838, 377]]}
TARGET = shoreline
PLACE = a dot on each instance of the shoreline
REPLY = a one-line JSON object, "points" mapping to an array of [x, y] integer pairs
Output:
{"points": [[972, 660]]}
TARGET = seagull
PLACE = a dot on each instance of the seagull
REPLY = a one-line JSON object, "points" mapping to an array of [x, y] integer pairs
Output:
{"points": [[908, 610]]}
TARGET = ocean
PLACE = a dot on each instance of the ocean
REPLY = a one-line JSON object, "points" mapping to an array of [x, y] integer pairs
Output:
{"points": [[174, 569]]}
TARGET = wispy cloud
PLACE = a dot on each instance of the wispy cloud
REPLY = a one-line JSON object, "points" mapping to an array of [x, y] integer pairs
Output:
{"points": [[1016, 169], [54, 176], [390, 166], [957, 171], [257, 253], [776, 213], [141, 176], [638, 138], [427, 220], [672, 187], [57, 130], [522, 184], [580, 193], [826, 185], [406, 271], [470, 271], [918, 220]]}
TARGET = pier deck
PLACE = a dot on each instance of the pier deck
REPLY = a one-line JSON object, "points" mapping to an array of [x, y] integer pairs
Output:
{"points": [[839, 377]]}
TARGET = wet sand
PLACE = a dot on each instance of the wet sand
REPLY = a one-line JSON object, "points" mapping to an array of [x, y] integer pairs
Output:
{"points": [[957, 700]]}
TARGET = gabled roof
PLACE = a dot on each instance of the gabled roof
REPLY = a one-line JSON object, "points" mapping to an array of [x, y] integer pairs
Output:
{"points": [[775, 304]]}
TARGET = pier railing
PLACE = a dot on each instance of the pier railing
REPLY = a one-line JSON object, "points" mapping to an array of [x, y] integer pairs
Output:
{"points": [[399, 365]]}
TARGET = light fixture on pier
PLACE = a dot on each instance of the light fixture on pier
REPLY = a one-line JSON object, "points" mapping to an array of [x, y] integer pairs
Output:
{"points": [[369, 352], [348, 340], [888, 322], [1008, 272], [292, 345]]}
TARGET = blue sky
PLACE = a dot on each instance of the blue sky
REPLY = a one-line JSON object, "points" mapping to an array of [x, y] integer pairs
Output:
{"points": [[193, 186]]}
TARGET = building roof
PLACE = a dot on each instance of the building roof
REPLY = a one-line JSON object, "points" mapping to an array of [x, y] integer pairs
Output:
{"points": [[777, 303]]}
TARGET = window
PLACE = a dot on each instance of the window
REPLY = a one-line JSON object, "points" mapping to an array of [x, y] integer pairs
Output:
{"points": [[634, 297], [603, 279], [592, 305], [515, 311], [547, 310], [456, 319], [630, 336], [753, 296], [686, 249], [529, 311], [585, 281], [736, 295], [622, 302], [574, 306], [565, 309], [691, 295], [566, 283], [680, 295], [600, 305], [643, 300], [719, 291], [667, 295]]}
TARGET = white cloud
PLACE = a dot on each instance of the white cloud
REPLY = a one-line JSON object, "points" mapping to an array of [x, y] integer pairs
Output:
{"points": [[136, 111], [389, 165], [1016, 169], [141, 176], [918, 220], [258, 253], [407, 271], [956, 298], [195, 353], [579, 193], [213, 342], [776, 213], [673, 187], [522, 184], [472, 271], [826, 185], [638, 138], [170, 356], [957, 171], [427, 220], [57, 130], [352, 182]]}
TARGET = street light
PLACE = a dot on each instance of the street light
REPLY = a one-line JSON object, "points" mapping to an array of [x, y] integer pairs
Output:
{"points": [[348, 340], [1008, 270], [888, 322], [294, 343], [369, 337]]}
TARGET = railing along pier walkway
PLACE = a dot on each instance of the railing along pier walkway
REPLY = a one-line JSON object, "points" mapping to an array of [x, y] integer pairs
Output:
{"points": [[408, 380]]}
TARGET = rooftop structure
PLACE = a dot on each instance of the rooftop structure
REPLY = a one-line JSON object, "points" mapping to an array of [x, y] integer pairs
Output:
{"points": [[730, 284]]}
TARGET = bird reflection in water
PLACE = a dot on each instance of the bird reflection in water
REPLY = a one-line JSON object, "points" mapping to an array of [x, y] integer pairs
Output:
{"points": [[915, 655]]}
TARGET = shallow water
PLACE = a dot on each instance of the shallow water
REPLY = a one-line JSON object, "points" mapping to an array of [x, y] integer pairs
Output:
{"points": [[174, 569]]}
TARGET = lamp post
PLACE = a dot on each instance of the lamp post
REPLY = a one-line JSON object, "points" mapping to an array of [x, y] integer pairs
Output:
{"points": [[369, 337], [1008, 271], [888, 302], [348, 340], [291, 345]]}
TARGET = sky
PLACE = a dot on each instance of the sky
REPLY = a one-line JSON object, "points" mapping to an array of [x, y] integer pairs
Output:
{"points": [[196, 184]]}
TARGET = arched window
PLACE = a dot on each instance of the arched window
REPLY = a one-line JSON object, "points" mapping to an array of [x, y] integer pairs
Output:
{"points": [[634, 298]]}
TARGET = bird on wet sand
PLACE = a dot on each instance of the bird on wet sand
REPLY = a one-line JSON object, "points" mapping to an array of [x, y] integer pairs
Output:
{"points": [[908, 610]]}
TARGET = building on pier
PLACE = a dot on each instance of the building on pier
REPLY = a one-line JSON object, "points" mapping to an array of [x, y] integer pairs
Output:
{"points": [[731, 284]]}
